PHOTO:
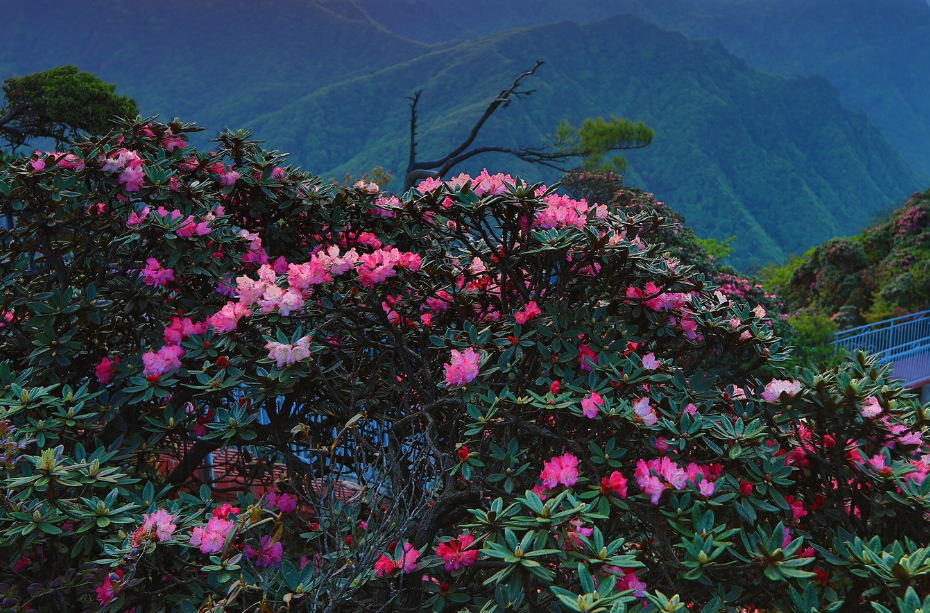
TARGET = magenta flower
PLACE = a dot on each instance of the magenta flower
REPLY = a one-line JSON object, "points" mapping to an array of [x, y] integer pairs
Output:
{"points": [[455, 552], [210, 538], [614, 484], [385, 565], [585, 352], [153, 273], [284, 503], [107, 590], [105, 369], [229, 178], [631, 582], [462, 368], [528, 313], [179, 329], [267, 554], [560, 469]]}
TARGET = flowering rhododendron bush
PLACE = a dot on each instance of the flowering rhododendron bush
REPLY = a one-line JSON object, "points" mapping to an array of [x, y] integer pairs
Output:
{"points": [[226, 386]]}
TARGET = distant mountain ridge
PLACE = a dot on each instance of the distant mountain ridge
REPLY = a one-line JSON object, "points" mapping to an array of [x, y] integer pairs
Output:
{"points": [[778, 162], [875, 52]]}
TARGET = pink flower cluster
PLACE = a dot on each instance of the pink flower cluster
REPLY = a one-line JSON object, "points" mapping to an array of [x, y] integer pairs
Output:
{"points": [[462, 368], [529, 312], [153, 274], [656, 299], [563, 212], [871, 408], [155, 526], [227, 318], [387, 206], [256, 254], [643, 411], [485, 184], [179, 329], [614, 484], [111, 584], [455, 553], [105, 370], [776, 387], [128, 164], [407, 562], [560, 469], [657, 475], [382, 263], [590, 405], [166, 359], [284, 353], [283, 502], [64, 160], [229, 178], [267, 555], [210, 538], [190, 227]]}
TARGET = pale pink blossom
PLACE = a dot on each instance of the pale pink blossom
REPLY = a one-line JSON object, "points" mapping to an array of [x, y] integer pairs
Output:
{"points": [[166, 359], [776, 387], [590, 405], [462, 368], [132, 179], [428, 185], [159, 522], [229, 178], [644, 412], [283, 353], [227, 318], [871, 408], [490, 185]]}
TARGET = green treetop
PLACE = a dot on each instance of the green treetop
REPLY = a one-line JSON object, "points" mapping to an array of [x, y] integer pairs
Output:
{"points": [[59, 103]]}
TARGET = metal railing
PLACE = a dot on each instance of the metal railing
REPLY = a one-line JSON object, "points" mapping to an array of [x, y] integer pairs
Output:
{"points": [[903, 342]]}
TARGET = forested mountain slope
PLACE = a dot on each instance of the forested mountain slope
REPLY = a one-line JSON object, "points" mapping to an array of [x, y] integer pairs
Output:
{"points": [[216, 63], [776, 161], [875, 52]]}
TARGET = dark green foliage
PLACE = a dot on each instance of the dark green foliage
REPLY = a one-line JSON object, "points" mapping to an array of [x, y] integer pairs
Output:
{"points": [[59, 103]]}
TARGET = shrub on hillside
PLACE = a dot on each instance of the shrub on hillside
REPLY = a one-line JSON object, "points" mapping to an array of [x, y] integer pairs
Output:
{"points": [[881, 273], [481, 396]]}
